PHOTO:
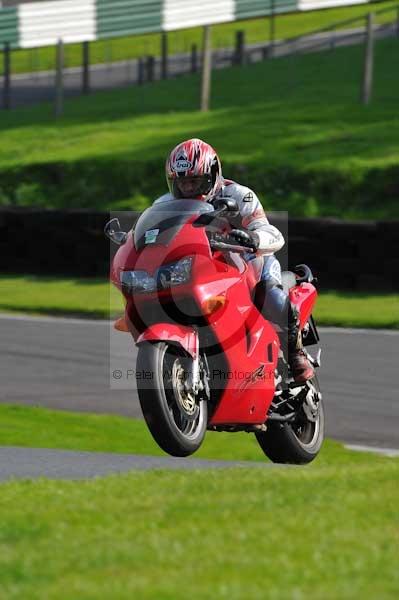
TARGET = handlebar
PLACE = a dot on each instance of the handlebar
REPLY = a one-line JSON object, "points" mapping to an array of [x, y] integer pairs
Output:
{"points": [[216, 245]]}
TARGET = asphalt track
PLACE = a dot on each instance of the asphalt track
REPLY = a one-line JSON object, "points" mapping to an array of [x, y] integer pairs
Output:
{"points": [[28, 463], [69, 364]]}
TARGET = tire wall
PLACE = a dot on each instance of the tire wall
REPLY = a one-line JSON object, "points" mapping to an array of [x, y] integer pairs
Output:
{"points": [[345, 255]]}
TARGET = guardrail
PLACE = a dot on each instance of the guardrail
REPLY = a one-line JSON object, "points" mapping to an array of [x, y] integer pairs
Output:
{"points": [[347, 255]]}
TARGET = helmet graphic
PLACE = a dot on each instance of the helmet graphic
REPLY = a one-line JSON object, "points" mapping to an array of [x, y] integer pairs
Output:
{"points": [[193, 170]]}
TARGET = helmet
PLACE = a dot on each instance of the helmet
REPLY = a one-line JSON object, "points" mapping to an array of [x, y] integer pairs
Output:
{"points": [[193, 170]]}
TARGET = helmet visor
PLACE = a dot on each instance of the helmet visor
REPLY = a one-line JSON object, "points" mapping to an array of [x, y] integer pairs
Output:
{"points": [[191, 187]]}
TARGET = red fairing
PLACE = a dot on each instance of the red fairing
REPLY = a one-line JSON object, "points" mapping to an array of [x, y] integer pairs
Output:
{"points": [[187, 337], [251, 355], [304, 297]]}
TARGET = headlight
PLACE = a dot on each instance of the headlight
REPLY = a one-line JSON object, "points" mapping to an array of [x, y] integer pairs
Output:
{"points": [[174, 274], [137, 281], [165, 277]]}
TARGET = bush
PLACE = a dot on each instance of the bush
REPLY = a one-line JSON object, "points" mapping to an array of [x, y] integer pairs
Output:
{"points": [[120, 184]]}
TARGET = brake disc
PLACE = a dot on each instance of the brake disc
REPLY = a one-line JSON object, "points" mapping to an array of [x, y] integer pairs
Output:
{"points": [[185, 399]]}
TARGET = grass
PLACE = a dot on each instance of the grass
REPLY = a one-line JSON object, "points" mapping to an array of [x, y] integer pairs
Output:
{"points": [[256, 30], [309, 127], [303, 140], [94, 298], [33, 427], [358, 309], [328, 530]]}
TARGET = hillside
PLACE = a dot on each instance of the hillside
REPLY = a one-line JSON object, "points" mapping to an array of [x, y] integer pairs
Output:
{"points": [[291, 128]]}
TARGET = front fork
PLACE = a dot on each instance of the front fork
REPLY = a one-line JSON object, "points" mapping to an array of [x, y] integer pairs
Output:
{"points": [[193, 379]]}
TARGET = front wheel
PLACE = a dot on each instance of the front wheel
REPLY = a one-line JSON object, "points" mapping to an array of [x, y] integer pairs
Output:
{"points": [[176, 419], [298, 442]]}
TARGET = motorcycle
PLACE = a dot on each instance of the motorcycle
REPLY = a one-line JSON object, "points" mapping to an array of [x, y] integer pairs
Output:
{"points": [[208, 359]]}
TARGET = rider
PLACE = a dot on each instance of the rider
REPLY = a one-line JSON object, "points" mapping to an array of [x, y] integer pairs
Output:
{"points": [[193, 170]]}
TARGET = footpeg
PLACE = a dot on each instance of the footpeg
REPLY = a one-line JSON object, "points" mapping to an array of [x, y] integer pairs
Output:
{"points": [[262, 427], [316, 362]]}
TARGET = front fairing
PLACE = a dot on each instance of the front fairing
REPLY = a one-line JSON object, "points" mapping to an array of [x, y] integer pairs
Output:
{"points": [[161, 223], [162, 234]]}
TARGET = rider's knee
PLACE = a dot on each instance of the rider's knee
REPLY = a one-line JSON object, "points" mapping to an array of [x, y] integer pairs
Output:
{"points": [[271, 300]]}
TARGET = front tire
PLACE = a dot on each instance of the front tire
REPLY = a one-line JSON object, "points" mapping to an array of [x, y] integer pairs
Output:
{"points": [[294, 443], [176, 420]]}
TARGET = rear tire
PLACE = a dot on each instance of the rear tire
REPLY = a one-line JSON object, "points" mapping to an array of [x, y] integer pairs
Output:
{"points": [[294, 443], [176, 420]]}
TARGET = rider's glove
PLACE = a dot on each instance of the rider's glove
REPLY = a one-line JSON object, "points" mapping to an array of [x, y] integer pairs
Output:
{"points": [[250, 239]]}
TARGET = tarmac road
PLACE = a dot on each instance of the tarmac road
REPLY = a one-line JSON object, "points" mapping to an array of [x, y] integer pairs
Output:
{"points": [[29, 463], [65, 364]]}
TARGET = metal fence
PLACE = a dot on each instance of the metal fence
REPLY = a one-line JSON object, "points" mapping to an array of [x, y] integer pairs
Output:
{"points": [[40, 86]]}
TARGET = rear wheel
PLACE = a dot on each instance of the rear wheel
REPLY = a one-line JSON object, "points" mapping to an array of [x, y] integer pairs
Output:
{"points": [[297, 442], [176, 419]]}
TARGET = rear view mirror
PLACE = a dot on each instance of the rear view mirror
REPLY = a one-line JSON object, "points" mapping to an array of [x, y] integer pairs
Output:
{"points": [[225, 203], [113, 231], [211, 217], [204, 219]]}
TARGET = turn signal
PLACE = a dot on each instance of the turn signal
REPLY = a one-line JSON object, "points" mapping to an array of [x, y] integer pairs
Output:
{"points": [[212, 304], [121, 325]]}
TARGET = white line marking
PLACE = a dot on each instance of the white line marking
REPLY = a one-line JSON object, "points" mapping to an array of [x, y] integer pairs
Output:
{"points": [[60, 320], [356, 331], [391, 452]]}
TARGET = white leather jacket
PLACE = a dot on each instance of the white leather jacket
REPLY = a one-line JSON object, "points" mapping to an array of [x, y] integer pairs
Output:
{"points": [[251, 216]]}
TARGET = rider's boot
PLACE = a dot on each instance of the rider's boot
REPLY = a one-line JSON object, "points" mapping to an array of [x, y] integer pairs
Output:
{"points": [[275, 305], [301, 366]]}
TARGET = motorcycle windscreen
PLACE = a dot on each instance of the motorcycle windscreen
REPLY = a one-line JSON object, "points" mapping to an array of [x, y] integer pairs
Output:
{"points": [[160, 223]]}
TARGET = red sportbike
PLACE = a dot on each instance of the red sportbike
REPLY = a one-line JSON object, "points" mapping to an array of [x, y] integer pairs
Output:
{"points": [[207, 357]]}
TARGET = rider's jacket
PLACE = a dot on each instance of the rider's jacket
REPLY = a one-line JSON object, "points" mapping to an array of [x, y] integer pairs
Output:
{"points": [[251, 216]]}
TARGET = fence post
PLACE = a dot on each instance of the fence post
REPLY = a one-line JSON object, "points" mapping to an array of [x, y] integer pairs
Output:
{"points": [[272, 32], [59, 79], [206, 69], [108, 54], [239, 53], [86, 68], [164, 55], [7, 76], [194, 58], [140, 71], [150, 64], [332, 39], [368, 61]]}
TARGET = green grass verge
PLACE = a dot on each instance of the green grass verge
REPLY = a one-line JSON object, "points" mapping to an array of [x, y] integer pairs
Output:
{"points": [[300, 138], [328, 530], [35, 427], [256, 30], [358, 309], [97, 299], [93, 298]]}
